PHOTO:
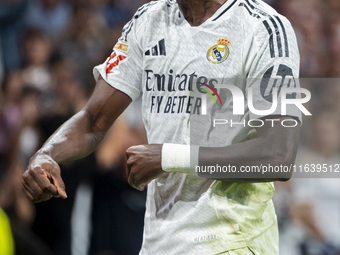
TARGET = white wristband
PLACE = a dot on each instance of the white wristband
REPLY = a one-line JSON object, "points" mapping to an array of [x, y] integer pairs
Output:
{"points": [[179, 158]]}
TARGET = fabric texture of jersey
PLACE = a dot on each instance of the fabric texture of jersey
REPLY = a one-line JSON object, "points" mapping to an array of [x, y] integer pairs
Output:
{"points": [[162, 57]]}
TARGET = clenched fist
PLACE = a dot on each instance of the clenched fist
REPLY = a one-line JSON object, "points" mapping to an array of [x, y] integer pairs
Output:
{"points": [[42, 179], [144, 164]]}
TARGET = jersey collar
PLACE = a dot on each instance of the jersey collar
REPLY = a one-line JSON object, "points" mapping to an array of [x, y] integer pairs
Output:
{"points": [[219, 13]]}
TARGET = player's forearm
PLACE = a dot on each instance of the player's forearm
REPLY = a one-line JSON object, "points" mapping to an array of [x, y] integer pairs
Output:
{"points": [[75, 139], [81, 135], [248, 162], [251, 161]]}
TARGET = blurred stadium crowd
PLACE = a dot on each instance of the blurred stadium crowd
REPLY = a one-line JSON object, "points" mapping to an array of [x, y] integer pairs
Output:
{"points": [[47, 51]]}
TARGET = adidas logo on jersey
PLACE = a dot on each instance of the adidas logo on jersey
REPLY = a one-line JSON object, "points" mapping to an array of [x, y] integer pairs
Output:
{"points": [[157, 50]]}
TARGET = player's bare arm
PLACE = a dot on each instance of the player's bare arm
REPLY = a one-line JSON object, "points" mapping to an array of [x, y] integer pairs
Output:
{"points": [[274, 146], [75, 139]]}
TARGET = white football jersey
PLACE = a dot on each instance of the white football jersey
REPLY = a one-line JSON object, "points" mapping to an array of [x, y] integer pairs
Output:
{"points": [[162, 57]]}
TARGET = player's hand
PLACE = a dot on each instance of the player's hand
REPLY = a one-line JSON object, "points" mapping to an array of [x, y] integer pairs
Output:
{"points": [[144, 164], [42, 179]]}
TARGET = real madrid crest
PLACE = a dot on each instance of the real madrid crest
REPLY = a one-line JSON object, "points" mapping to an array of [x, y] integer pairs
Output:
{"points": [[219, 52]]}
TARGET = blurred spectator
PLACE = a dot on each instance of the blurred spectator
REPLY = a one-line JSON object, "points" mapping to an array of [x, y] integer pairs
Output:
{"points": [[22, 140], [53, 219], [69, 94], [2, 65], [314, 203], [50, 16], [118, 208], [308, 22], [334, 43], [117, 13], [38, 50], [11, 28], [83, 42]]}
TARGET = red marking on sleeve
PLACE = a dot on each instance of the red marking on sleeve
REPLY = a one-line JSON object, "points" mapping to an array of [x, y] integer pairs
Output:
{"points": [[116, 60]]}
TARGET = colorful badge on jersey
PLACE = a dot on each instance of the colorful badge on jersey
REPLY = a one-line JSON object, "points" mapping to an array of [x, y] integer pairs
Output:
{"points": [[121, 46], [219, 52], [113, 62]]}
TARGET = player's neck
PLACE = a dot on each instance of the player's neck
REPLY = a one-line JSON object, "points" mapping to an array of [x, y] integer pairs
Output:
{"points": [[198, 11]]}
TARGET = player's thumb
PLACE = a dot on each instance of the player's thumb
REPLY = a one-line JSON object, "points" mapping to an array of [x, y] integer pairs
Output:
{"points": [[59, 184]]}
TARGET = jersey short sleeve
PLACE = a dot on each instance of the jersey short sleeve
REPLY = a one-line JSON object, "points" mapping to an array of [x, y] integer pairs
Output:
{"points": [[123, 69], [272, 61]]}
